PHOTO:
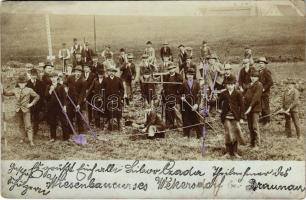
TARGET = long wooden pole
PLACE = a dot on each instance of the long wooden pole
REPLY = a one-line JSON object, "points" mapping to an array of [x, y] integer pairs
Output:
{"points": [[50, 56]]}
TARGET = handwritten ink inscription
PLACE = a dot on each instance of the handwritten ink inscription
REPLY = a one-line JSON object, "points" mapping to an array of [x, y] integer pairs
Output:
{"points": [[140, 176]]}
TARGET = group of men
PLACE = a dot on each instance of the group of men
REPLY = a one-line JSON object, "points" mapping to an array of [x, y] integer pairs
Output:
{"points": [[188, 93]]}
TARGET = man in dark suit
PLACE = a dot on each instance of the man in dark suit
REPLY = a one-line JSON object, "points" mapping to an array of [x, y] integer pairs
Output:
{"points": [[122, 59], [56, 105], [96, 65], [78, 84], [232, 111], [170, 95], [37, 86], [114, 92], [182, 57], [98, 100], [46, 81], [253, 104], [165, 51], [265, 77], [189, 64], [244, 79], [77, 61], [190, 96], [89, 77], [87, 53]]}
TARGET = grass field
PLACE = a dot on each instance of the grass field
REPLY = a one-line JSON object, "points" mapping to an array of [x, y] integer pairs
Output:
{"points": [[279, 38], [275, 145]]}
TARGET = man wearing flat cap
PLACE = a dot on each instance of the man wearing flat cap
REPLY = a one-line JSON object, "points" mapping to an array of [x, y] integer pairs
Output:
{"points": [[290, 107], [253, 105], [232, 111], [37, 86], [64, 56], [128, 74], [165, 52], [190, 98], [265, 77], [170, 95], [114, 92], [244, 79]]}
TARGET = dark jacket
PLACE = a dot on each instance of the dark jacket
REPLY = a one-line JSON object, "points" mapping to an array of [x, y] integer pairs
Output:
{"points": [[46, 81], [114, 92], [96, 86], [87, 55], [39, 89], [89, 79], [165, 52], [172, 89], [231, 104], [128, 72], [244, 78], [182, 57], [192, 95], [265, 78], [79, 86], [95, 67], [52, 102], [253, 97]]}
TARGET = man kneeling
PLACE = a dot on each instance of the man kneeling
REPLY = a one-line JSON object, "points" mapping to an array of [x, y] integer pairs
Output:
{"points": [[154, 126]]}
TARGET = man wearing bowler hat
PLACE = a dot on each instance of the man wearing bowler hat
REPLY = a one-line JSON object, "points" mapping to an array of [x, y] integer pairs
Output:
{"points": [[190, 96], [265, 77], [165, 52], [24, 103], [98, 98], [87, 54], [37, 86], [170, 95], [114, 92], [253, 108], [77, 83]]}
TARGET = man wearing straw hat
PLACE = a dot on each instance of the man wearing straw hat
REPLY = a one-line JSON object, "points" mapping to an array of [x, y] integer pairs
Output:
{"points": [[190, 96], [114, 92], [56, 105], [165, 52], [170, 95], [23, 96], [265, 77]]}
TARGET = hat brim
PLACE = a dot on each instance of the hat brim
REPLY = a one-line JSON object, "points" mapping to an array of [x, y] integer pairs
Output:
{"points": [[258, 61]]}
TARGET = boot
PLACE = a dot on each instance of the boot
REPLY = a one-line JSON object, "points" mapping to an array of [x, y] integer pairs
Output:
{"points": [[235, 150], [227, 151], [30, 137]]}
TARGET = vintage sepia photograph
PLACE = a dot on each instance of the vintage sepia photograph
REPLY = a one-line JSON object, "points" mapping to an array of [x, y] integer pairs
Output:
{"points": [[195, 80]]}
